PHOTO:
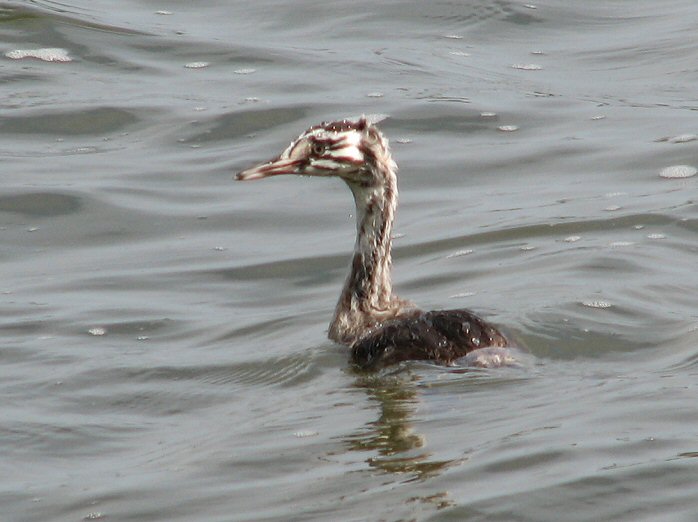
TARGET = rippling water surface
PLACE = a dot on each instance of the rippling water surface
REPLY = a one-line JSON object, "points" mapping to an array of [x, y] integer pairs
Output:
{"points": [[163, 351]]}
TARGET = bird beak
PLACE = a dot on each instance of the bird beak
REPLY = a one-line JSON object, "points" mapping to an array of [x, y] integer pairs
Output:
{"points": [[274, 167]]}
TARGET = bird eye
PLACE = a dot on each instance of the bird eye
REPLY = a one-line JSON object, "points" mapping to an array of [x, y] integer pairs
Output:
{"points": [[317, 148]]}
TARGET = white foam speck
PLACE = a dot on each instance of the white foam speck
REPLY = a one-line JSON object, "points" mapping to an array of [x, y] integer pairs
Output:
{"points": [[460, 253], [453, 36], [638, 227], [375, 95], [530, 6], [245, 70], [572, 239], [683, 138], [97, 331], [612, 208], [678, 171], [488, 114], [597, 304], [304, 434], [507, 128], [527, 248], [621, 244], [163, 13], [598, 117], [458, 53], [54, 54], [462, 294], [84, 150], [527, 67], [656, 236], [196, 65], [403, 140]]}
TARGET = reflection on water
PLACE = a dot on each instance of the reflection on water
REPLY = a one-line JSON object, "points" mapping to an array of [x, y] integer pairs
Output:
{"points": [[392, 436], [395, 446]]}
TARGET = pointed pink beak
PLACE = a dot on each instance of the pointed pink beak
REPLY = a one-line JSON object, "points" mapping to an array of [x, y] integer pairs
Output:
{"points": [[275, 167]]}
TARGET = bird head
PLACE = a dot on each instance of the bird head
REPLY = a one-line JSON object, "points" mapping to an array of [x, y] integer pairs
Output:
{"points": [[351, 150]]}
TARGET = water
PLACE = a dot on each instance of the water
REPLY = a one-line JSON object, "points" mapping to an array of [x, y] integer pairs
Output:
{"points": [[162, 336]]}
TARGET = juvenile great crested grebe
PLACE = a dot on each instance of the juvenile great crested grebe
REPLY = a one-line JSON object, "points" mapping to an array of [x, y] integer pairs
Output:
{"points": [[380, 328]]}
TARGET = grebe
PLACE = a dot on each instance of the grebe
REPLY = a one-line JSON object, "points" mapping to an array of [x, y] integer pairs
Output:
{"points": [[380, 328]]}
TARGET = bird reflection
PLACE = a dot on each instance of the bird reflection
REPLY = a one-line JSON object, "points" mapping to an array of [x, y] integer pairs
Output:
{"points": [[397, 448]]}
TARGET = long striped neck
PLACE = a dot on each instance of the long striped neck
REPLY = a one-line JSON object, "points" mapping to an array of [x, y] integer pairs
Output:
{"points": [[367, 297]]}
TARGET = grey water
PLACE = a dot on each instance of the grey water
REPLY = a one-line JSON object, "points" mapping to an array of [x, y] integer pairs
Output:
{"points": [[163, 350]]}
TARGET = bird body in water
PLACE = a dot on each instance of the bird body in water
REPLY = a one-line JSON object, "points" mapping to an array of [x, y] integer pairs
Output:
{"points": [[380, 327]]}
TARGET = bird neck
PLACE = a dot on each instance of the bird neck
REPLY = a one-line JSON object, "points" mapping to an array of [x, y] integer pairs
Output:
{"points": [[367, 296], [369, 281]]}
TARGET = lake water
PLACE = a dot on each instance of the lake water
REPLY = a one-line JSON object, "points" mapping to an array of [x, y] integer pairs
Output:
{"points": [[163, 350]]}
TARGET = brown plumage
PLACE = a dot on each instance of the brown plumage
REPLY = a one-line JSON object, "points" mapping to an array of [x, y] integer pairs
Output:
{"points": [[380, 327]]}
